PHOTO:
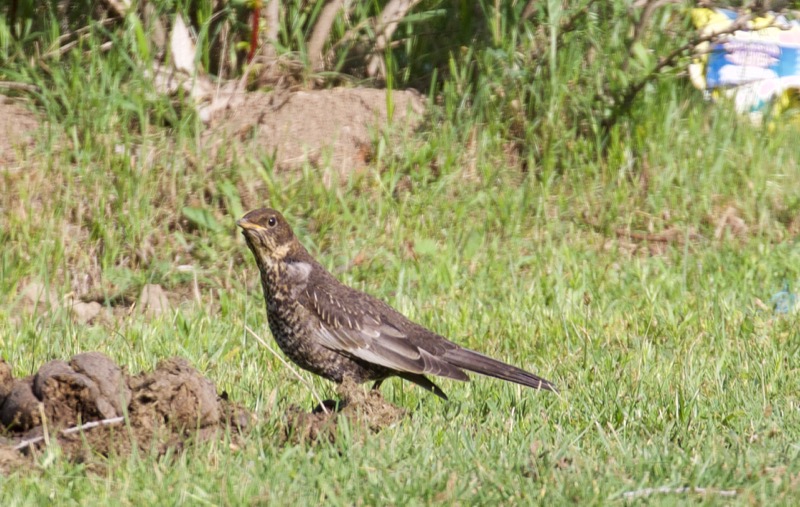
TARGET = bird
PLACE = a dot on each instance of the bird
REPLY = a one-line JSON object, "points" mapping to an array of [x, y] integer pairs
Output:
{"points": [[336, 331]]}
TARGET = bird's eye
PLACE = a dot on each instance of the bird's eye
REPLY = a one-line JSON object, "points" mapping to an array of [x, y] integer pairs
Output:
{"points": [[272, 221]]}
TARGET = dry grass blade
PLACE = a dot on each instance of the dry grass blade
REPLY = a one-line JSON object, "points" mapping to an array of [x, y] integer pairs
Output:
{"points": [[10, 85], [68, 431], [289, 366], [666, 490], [395, 11], [322, 30]]}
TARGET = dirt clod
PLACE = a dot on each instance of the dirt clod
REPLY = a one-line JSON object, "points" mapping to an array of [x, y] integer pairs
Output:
{"points": [[69, 397], [92, 407], [37, 296], [114, 393], [6, 380], [85, 313], [365, 409], [20, 410], [153, 300], [175, 394]]}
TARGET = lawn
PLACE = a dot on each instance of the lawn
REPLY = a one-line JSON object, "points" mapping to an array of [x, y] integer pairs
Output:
{"points": [[635, 271]]}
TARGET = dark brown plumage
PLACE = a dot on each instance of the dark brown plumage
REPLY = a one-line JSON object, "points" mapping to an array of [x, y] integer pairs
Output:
{"points": [[336, 331]]}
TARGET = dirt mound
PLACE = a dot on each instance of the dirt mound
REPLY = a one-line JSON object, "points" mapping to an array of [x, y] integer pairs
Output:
{"points": [[92, 406], [366, 410], [307, 126]]}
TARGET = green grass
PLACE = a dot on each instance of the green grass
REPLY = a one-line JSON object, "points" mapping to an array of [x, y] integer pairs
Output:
{"points": [[671, 373]]}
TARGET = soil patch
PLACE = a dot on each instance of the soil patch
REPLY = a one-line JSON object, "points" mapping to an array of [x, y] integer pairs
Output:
{"points": [[309, 126], [90, 406], [17, 125], [367, 411], [654, 243], [38, 298]]}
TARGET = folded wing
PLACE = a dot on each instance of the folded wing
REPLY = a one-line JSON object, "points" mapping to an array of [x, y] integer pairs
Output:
{"points": [[377, 334]]}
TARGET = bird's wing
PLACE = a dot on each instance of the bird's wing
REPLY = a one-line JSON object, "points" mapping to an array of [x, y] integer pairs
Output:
{"points": [[370, 331]]}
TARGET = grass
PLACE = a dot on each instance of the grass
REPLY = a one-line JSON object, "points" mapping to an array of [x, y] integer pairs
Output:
{"points": [[671, 373]]}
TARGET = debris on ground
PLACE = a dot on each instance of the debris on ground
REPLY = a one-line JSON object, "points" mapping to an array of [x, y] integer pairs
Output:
{"points": [[366, 410], [331, 129], [153, 301], [654, 243], [91, 406], [17, 135]]}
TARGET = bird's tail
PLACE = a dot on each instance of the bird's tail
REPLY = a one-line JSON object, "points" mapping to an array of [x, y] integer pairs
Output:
{"points": [[478, 363]]}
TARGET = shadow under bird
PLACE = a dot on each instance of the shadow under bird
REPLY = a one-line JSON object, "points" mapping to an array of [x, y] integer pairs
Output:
{"points": [[336, 331]]}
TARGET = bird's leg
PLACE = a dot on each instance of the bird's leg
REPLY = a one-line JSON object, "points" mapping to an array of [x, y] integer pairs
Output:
{"points": [[331, 406], [377, 385]]}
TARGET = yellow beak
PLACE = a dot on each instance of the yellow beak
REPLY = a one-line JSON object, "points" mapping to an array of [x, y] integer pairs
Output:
{"points": [[244, 223]]}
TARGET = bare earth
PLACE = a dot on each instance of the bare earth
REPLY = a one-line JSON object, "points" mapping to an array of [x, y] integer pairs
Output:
{"points": [[168, 408], [327, 128], [17, 125], [334, 128]]}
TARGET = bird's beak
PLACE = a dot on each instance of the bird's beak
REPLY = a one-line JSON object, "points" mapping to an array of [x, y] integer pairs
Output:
{"points": [[246, 224]]}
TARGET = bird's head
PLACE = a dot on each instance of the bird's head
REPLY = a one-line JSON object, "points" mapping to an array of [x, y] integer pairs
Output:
{"points": [[268, 235]]}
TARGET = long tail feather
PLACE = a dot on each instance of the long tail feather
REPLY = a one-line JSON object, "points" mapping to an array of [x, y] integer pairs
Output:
{"points": [[478, 363]]}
